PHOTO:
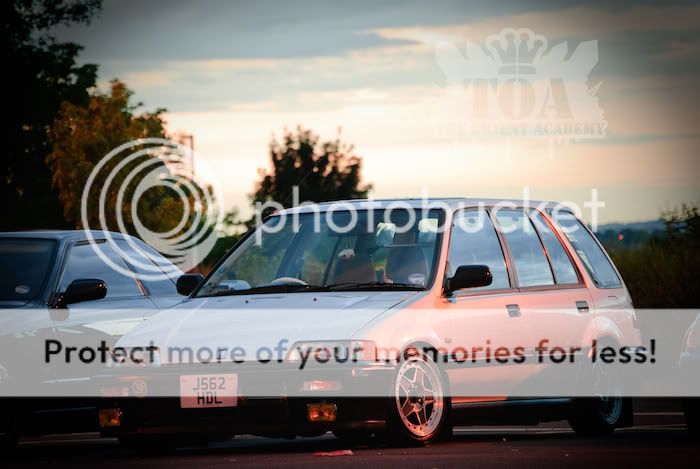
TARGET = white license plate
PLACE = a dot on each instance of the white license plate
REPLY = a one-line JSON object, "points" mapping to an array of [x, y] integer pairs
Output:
{"points": [[201, 391]]}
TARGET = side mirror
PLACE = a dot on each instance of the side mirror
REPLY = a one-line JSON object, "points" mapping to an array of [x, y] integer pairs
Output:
{"points": [[469, 276], [83, 289], [188, 282]]}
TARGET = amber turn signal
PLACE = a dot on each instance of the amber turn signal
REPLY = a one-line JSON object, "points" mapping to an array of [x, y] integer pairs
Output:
{"points": [[110, 418], [321, 412]]}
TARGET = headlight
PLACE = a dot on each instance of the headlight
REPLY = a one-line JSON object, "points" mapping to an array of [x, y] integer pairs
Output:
{"points": [[332, 351], [148, 355]]}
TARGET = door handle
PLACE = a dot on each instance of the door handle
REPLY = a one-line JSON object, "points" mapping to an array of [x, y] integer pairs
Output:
{"points": [[582, 307], [513, 311]]}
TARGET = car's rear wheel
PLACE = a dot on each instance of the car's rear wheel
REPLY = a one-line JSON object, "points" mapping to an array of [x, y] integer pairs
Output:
{"points": [[596, 416], [419, 409], [691, 406], [601, 414]]}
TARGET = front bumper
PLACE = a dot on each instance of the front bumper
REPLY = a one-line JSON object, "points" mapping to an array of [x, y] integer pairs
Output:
{"points": [[281, 411]]}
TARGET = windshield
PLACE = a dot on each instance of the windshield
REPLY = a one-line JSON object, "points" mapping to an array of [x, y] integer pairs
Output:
{"points": [[333, 250], [25, 265]]}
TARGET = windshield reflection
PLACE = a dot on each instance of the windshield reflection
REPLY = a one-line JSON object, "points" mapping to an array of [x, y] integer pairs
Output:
{"points": [[362, 250]]}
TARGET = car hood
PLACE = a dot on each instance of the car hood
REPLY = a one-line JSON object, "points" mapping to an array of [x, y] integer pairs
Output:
{"points": [[23, 318], [254, 322]]}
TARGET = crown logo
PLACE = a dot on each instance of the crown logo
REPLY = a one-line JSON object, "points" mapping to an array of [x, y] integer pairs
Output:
{"points": [[515, 84], [518, 50]]}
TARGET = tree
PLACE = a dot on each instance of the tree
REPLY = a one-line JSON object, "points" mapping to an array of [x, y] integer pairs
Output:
{"points": [[322, 171], [41, 74], [83, 135], [664, 271]]}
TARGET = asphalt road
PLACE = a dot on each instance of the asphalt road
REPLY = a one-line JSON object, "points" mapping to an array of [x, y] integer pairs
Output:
{"points": [[656, 439]]}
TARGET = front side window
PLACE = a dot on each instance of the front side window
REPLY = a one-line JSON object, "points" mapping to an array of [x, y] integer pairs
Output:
{"points": [[474, 242], [154, 274], [83, 262], [589, 251], [531, 265], [338, 250], [25, 265]]}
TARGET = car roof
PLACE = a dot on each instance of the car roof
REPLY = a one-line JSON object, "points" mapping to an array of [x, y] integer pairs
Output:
{"points": [[64, 235], [417, 202]]}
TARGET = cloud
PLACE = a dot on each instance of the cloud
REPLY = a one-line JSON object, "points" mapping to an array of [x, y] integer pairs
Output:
{"points": [[683, 48], [148, 79], [574, 23], [237, 73]]}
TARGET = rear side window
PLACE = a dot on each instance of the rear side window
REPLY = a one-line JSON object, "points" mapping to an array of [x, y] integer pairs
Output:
{"points": [[474, 242], [531, 265], [564, 271], [589, 251]]}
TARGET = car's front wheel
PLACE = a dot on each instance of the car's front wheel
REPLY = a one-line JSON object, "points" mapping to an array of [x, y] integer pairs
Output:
{"points": [[419, 409]]}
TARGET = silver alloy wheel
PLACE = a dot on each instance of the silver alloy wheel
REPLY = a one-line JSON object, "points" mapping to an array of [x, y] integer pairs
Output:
{"points": [[608, 392], [419, 396]]}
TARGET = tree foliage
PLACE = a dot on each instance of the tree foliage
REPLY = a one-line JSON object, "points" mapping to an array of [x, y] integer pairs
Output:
{"points": [[83, 135], [664, 271], [41, 74], [323, 171]]}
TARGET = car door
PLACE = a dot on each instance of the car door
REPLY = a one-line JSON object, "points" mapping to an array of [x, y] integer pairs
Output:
{"points": [[92, 323], [553, 298], [485, 317]]}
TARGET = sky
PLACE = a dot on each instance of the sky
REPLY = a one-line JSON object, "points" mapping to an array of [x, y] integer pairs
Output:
{"points": [[399, 78]]}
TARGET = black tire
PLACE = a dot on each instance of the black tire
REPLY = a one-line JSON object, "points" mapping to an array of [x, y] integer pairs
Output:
{"points": [[591, 416], [691, 406], [596, 416], [422, 421]]}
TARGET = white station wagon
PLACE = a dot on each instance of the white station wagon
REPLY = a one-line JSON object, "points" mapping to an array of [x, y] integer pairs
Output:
{"points": [[437, 300]]}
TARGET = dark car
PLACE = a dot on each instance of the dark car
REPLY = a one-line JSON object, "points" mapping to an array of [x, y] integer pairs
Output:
{"points": [[55, 286]]}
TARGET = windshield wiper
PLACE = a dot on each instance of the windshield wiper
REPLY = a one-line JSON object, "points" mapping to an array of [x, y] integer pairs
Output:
{"points": [[291, 288], [374, 286], [283, 288]]}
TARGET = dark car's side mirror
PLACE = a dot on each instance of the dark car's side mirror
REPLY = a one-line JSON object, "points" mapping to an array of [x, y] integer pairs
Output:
{"points": [[469, 276], [187, 283], [83, 289]]}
